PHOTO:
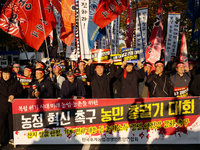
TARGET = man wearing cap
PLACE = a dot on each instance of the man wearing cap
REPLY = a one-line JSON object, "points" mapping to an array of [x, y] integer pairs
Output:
{"points": [[129, 79], [181, 81], [41, 87], [58, 80], [100, 81], [159, 83], [10, 89], [72, 87]]}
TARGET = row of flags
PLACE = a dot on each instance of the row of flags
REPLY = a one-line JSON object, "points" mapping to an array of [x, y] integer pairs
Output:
{"points": [[34, 21]]}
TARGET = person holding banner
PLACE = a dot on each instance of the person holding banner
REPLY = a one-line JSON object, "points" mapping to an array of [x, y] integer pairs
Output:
{"points": [[10, 89], [181, 80], [100, 81], [129, 79], [16, 70], [41, 87], [72, 87], [159, 83]]}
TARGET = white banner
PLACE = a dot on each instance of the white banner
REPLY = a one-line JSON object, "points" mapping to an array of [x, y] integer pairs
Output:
{"points": [[172, 35], [58, 29], [115, 35], [83, 28], [143, 13]]}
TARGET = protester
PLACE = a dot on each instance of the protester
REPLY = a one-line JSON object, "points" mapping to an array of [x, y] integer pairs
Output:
{"points": [[192, 69], [72, 87], [26, 80], [58, 80], [159, 83], [82, 76], [10, 89], [41, 87], [144, 89], [0, 71], [100, 81], [129, 79], [171, 65], [181, 80], [16, 70]]}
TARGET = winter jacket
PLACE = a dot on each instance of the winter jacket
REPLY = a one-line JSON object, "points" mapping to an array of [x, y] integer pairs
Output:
{"points": [[160, 86], [129, 85], [11, 87], [195, 86], [45, 88], [80, 89], [100, 84]]}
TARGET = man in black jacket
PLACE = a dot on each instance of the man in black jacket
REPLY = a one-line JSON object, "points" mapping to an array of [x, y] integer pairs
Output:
{"points": [[72, 87], [10, 89], [129, 79], [100, 81], [41, 87], [195, 86], [159, 83]]}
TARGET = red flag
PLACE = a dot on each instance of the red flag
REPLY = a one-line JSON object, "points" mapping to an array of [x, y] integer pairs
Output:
{"points": [[129, 23], [67, 11], [156, 42], [183, 52], [107, 11], [23, 19]]}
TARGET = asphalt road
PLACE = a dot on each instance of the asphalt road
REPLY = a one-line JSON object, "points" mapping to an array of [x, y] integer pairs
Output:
{"points": [[102, 147]]}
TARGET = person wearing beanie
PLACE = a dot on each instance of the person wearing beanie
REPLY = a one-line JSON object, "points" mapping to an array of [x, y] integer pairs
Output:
{"points": [[129, 79], [159, 83], [10, 90]]}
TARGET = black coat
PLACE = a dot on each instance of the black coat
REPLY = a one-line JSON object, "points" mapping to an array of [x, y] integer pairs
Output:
{"points": [[45, 88], [100, 84], [160, 86], [195, 86], [129, 85], [80, 89], [7, 88]]}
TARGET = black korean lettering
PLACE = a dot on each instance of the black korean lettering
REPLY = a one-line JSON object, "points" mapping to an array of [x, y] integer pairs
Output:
{"points": [[118, 2], [105, 14], [48, 8], [35, 34], [39, 27], [111, 7], [23, 2], [44, 22]]}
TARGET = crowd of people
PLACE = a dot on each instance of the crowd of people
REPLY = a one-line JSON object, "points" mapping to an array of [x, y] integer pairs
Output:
{"points": [[66, 79]]}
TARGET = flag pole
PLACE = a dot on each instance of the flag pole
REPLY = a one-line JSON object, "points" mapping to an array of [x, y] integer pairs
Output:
{"points": [[44, 30], [141, 35]]}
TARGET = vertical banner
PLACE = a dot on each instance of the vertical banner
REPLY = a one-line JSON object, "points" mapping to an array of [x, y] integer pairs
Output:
{"points": [[58, 28], [117, 35], [102, 43], [129, 24], [172, 35], [83, 28], [77, 40], [143, 13], [183, 52], [156, 41], [113, 36], [71, 50]]}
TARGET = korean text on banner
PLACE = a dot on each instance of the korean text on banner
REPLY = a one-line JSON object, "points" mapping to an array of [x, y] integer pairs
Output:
{"points": [[107, 121]]}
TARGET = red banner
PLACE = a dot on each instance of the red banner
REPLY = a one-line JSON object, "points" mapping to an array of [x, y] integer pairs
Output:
{"points": [[129, 23], [183, 52], [156, 42], [23, 19], [107, 121], [107, 11]]}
